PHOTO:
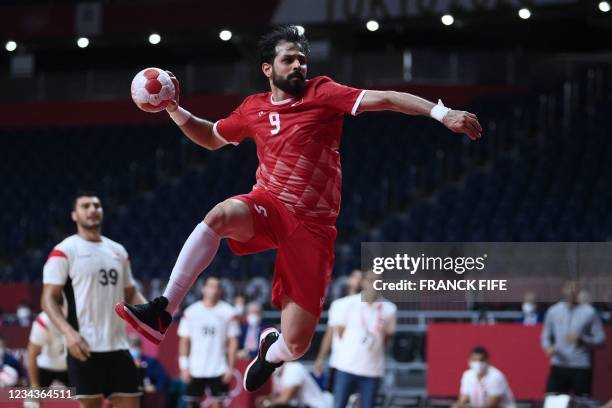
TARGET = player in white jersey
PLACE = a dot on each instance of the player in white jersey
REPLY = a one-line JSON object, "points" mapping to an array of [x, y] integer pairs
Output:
{"points": [[331, 340], [208, 343], [46, 354], [93, 272]]}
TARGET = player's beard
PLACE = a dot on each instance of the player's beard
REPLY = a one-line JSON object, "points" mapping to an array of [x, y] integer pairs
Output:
{"points": [[90, 225], [290, 85]]}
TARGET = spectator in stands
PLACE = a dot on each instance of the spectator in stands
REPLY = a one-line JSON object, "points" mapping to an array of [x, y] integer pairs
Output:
{"points": [[24, 314], [240, 306], [251, 328], [571, 330], [364, 327], [8, 376], [156, 288], [330, 341], [154, 377], [482, 385], [531, 316], [11, 371], [292, 385], [584, 297], [353, 282]]}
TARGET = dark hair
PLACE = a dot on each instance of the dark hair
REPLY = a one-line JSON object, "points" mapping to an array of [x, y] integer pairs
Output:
{"points": [[212, 276], [82, 193], [480, 350], [268, 42]]}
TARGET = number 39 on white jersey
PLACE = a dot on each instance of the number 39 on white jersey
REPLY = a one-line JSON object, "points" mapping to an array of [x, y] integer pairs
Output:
{"points": [[94, 276], [208, 329]]}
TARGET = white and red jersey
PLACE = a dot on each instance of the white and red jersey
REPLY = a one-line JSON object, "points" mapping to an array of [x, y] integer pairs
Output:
{"points": [[94, 275], [208, 329], [297, 144], [45, 335]]}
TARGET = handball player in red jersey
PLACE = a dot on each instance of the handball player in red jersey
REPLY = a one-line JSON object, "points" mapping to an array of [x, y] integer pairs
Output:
{"points": [[295, 202]]}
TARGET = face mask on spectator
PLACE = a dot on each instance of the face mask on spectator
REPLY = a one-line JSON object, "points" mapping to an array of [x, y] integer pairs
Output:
{"points": [[478, 366], [528, 308], [239, 308], [253, 319], [23, 313], [135, 353]]}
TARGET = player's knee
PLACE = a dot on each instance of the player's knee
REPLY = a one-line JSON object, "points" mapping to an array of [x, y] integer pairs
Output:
{"points": [[220, 217], [217, 218], [297, 347], [226, 217]]}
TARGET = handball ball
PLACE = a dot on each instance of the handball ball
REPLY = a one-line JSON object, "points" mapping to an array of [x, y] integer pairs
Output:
{"points": [[152, 89]]}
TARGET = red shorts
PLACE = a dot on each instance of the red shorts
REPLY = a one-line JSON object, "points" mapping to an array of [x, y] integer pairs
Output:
{"points": [[305, 257]]}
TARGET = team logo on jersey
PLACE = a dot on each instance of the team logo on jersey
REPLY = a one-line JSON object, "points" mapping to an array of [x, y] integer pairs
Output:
{"points": [[261, 210], [261, 113]]}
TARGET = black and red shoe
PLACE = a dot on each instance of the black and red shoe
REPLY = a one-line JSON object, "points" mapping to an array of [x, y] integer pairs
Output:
{"points": [[149, 319], [260, 370]]}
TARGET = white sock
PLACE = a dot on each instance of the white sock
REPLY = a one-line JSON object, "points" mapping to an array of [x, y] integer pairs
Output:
{"points": [[279, 351], [195, 256]]}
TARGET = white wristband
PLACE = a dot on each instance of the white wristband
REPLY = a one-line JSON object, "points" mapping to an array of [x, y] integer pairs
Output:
{"points": [[183, 362], [180, 116], [439, 111]]}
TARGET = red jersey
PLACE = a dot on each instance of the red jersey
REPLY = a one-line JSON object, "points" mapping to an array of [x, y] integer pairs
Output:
{"points": [[297, 144]]}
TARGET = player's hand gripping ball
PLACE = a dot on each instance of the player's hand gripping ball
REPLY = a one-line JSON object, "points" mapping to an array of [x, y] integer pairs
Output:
{"points": [[152, 89]]}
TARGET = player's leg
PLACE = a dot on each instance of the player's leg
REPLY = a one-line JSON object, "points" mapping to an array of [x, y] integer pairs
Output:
{"points": [[218, 391], [125, 402], [303, 269], [95, 402], [194, 392], [45, 377], [86, 379], [581, 381], [229, 219], [62, 377], [297, 328], [558, 381], [122, 380]]}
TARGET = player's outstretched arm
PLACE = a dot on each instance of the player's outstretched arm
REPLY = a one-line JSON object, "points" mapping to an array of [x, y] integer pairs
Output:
{"points": [[199, 130], [455, 120]]}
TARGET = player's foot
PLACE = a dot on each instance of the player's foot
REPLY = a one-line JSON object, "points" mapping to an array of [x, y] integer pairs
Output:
{"points": [[149, 319], [258, 372]]}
